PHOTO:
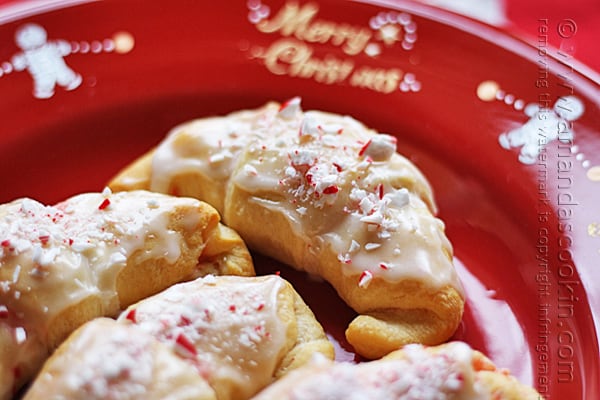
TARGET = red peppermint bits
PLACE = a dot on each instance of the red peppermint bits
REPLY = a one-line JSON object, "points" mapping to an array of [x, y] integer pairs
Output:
{"points": [[104, 204], [184, 321], [44, 239], [185, 344], [3, 312], [293, 102], [364, 148], [207, 316], [365, 279], [5, 243], [232, 308], [380, 191], [284, 105], [131, 316], [331, 189], [260, 306]]}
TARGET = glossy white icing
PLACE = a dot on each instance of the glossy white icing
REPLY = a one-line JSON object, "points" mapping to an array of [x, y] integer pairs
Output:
{"points": [[420, 375], [52, 257], [340, 186], [228, 327], [106, 360], [113, 363]]}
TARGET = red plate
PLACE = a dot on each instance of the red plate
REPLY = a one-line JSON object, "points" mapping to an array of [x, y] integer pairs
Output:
{"points": [[508, 134]]}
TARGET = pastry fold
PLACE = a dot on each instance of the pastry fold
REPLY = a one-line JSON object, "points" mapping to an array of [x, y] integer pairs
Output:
{"points": [[325, 194], [239, 333], [94, 255], [449, 371], [222, 337], [106, 360]]}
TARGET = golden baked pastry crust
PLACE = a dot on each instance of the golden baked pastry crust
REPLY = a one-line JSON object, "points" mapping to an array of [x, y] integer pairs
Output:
{"points": [[240, 333], [93, 255], [449, 371], [221, 337], [104, 359], [324, 194]]}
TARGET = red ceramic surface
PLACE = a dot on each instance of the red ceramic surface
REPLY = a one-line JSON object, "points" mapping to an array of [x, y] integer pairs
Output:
{"points": [[508, 134]]}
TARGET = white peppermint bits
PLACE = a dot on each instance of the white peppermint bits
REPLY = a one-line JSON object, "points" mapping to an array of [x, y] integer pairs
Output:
{"points": [[380, 147], [365, 279], [290, 108], [419, 375], [335, 181]]}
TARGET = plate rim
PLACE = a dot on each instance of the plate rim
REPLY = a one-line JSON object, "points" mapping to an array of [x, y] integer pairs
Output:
{"points": [[515, 43]]}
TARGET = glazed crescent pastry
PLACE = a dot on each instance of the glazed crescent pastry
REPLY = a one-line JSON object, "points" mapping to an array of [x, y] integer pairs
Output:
{"points": [[106, 360], [93, 255], [239, 333], [324, 194], [451, 371]]}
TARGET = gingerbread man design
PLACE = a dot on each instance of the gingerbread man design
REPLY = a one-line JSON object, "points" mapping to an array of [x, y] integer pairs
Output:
{"points": [[544, 126], [44, 60]]}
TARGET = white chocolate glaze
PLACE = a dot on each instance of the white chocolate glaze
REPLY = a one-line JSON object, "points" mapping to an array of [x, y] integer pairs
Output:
{"points": [[117, 362], [339, 184], [228, 327], [53, 257], [106, 360], [420, 375], [216, 142]]}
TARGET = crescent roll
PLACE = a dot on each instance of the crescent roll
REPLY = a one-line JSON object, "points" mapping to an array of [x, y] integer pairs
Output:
{"points": [[106, 360], [93, 255], [446, 372], [239, 333], [324, 194]]}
